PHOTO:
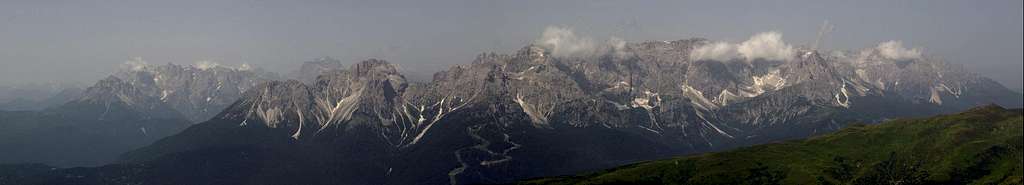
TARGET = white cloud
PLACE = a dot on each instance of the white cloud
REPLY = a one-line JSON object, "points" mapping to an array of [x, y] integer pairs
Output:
{"points": [[894, 50], [618, 45], [135, 64], [562, 41], [766, 45], [719, 51], [205, 64], [245, 67]]}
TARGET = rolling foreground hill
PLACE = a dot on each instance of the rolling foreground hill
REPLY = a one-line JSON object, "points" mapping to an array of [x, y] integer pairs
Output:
{"points": [[979, 146]]}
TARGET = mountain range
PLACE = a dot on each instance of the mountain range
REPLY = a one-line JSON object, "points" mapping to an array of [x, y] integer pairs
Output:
{"points": [[132, 108], [506, 117]]}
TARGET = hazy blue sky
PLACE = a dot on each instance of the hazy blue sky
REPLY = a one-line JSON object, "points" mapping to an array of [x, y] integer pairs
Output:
{"points": [[84, 40]]}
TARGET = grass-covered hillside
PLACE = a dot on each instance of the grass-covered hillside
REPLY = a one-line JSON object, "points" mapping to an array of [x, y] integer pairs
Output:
{"points": [[979, 146]]}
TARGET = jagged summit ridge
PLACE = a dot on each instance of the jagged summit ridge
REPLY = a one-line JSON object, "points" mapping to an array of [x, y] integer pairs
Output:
{"points": [[657, 77], [113, 91], [309, 70], [485, 120], [198, 91], [372, 91]]}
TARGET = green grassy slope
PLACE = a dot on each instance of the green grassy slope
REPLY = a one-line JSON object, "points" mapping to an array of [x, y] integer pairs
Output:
{"points": [[979, 146]]}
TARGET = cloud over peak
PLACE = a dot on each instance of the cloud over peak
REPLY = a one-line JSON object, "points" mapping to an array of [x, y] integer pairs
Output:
{"points": [[206, 64], [765, 45], [135, 64], [894, 50], [719, 51], [618, 46], [562, 41]]}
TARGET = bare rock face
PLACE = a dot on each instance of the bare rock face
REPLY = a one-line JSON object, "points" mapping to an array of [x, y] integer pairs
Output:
{"points": [[505, 117]]}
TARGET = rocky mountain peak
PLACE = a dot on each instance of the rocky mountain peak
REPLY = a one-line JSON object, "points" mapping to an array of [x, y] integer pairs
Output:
{"points": [[113, 91], [309, 70], [275, 104], [378, 77], [369, 94], [373, 67], [531, 55], [198, 91], [810, 66]]}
